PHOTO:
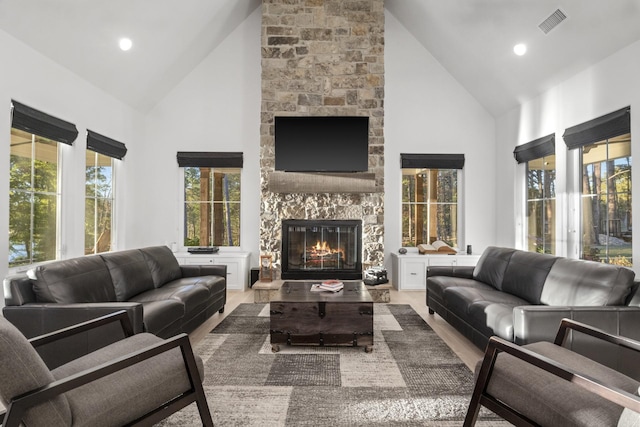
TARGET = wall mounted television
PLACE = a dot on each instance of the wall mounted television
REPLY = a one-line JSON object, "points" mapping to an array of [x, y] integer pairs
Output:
{"points": [[322, 144]]}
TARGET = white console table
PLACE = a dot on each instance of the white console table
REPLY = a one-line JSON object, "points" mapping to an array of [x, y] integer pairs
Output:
{"points": [[237, 266], [410, 269]]}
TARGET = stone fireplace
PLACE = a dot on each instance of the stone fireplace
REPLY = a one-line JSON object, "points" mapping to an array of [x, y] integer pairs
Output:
{"points": [[322, 58]]}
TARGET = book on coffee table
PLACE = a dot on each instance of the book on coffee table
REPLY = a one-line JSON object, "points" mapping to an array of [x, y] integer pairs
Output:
{"points": [[328, 286]]}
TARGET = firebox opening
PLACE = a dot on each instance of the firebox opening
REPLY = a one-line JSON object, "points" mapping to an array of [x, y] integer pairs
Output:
{"points": [[322, 249]]}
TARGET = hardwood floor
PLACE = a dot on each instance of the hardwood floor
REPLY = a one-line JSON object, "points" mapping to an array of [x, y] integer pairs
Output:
{"points": [[466, 351]]}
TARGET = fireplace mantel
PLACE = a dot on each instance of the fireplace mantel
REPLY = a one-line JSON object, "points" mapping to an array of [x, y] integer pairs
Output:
{"points": [[318, 182]]}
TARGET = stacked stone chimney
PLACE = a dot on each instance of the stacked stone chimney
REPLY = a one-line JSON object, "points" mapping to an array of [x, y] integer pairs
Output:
{"points": [[323, 58]]}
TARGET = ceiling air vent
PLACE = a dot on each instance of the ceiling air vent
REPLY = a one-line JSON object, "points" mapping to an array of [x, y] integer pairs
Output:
{"points": [[552, 21]]}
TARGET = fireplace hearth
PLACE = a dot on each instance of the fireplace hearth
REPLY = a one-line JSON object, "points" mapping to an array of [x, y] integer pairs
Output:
{"points": [[322, 249]]}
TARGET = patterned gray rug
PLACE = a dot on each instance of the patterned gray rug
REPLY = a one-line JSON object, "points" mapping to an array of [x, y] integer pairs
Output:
{"points": [[410, 379]]}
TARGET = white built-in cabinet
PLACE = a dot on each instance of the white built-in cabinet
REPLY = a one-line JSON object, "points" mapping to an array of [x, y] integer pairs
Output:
{"points": [[237, 266], [410, 270]]}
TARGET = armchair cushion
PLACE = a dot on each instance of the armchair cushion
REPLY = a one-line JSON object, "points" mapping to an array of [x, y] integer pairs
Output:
{"points": [[162, 263], [549, 400], [76, 280], [164, 377], [22, 370]]}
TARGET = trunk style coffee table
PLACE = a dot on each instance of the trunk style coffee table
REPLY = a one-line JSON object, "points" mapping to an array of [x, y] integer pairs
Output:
{"points": [[302, 317]]}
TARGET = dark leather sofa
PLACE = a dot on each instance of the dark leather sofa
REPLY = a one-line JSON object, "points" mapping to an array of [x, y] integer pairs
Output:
{"points": [[522, 296], [160, 296]]}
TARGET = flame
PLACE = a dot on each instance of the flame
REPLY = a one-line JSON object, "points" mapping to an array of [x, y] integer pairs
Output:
{"points": [[324, 247]]}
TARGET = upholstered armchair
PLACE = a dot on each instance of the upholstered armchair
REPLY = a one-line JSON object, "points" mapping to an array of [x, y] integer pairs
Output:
{"points": [[138, 380], [546, 384]]}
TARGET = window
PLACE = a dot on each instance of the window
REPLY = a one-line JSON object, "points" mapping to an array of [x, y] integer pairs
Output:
{"points": [[211, 206], [540, 160], [541, 204], [33, 198], [99, 191], [429, 206], [34, 184], [98, 203], [606, 201], [211, 198], [604, 146], [430, 185]]}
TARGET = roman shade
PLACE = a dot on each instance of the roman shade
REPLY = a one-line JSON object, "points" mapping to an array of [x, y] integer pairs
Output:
{"points": [[209, 159], [604, 127], [536, 149], [104, 145], [42, 124], [432, 161]]}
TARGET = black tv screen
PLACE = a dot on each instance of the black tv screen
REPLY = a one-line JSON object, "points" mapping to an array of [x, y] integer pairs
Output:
{"points": [[322, 144]]}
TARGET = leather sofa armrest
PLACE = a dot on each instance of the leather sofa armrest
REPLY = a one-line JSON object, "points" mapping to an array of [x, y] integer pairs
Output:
{"points": [[204, 270], [36, 319], [532, 323], [451, 271]]}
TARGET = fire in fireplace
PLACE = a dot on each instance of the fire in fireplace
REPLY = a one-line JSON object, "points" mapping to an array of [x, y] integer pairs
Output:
{"points": [[322, 249]]}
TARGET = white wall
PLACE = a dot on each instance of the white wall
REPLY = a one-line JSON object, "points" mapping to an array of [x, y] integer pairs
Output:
{"points": [[428, 111], [215, 108], [35, 80], [600, 89]]}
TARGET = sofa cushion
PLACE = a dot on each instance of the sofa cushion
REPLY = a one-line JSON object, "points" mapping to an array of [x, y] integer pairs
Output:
{"points": [[214, 284], [437, 284], [492, 265], [549, 400], [586, 283], [192, 296], [493, 318], [129, 273], [526, 273], [76, 280], [460, 300], [162, 314], [162, 263]]}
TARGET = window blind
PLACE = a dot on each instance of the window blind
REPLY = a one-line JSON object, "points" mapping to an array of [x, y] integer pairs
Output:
{"points": [[42, 124], [604, 127], [536, 149], [208, 159], [432, 161], [104, 145]]}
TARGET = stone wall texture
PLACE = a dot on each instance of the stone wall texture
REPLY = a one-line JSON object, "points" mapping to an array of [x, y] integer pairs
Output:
{"points": [[323, 58]]}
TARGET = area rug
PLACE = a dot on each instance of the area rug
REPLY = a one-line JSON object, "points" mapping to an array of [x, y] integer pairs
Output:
{"points": [[410, 379]]}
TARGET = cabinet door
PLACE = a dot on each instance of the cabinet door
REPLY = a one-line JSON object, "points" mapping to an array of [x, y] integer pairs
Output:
{"points": [[414, 275], [442, 260], [200, 260], [234, 281]]}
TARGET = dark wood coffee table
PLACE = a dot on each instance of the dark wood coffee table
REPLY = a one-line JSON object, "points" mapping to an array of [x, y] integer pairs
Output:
{"points": [[301, 317]]}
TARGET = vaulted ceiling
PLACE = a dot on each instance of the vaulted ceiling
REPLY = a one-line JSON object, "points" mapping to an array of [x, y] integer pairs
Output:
{"points": [[472, 39]]}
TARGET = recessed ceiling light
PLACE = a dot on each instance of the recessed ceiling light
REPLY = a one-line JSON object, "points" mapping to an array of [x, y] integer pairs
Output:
{"points": [[125, 43], [520, 49]]}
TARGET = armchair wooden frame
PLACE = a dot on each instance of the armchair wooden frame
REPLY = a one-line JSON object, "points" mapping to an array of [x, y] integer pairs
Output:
{"points": [[480, 397], [17, 407]]}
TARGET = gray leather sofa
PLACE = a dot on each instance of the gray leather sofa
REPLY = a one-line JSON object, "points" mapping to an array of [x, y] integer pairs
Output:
{"points": [[522, 296], [160, 296]]}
